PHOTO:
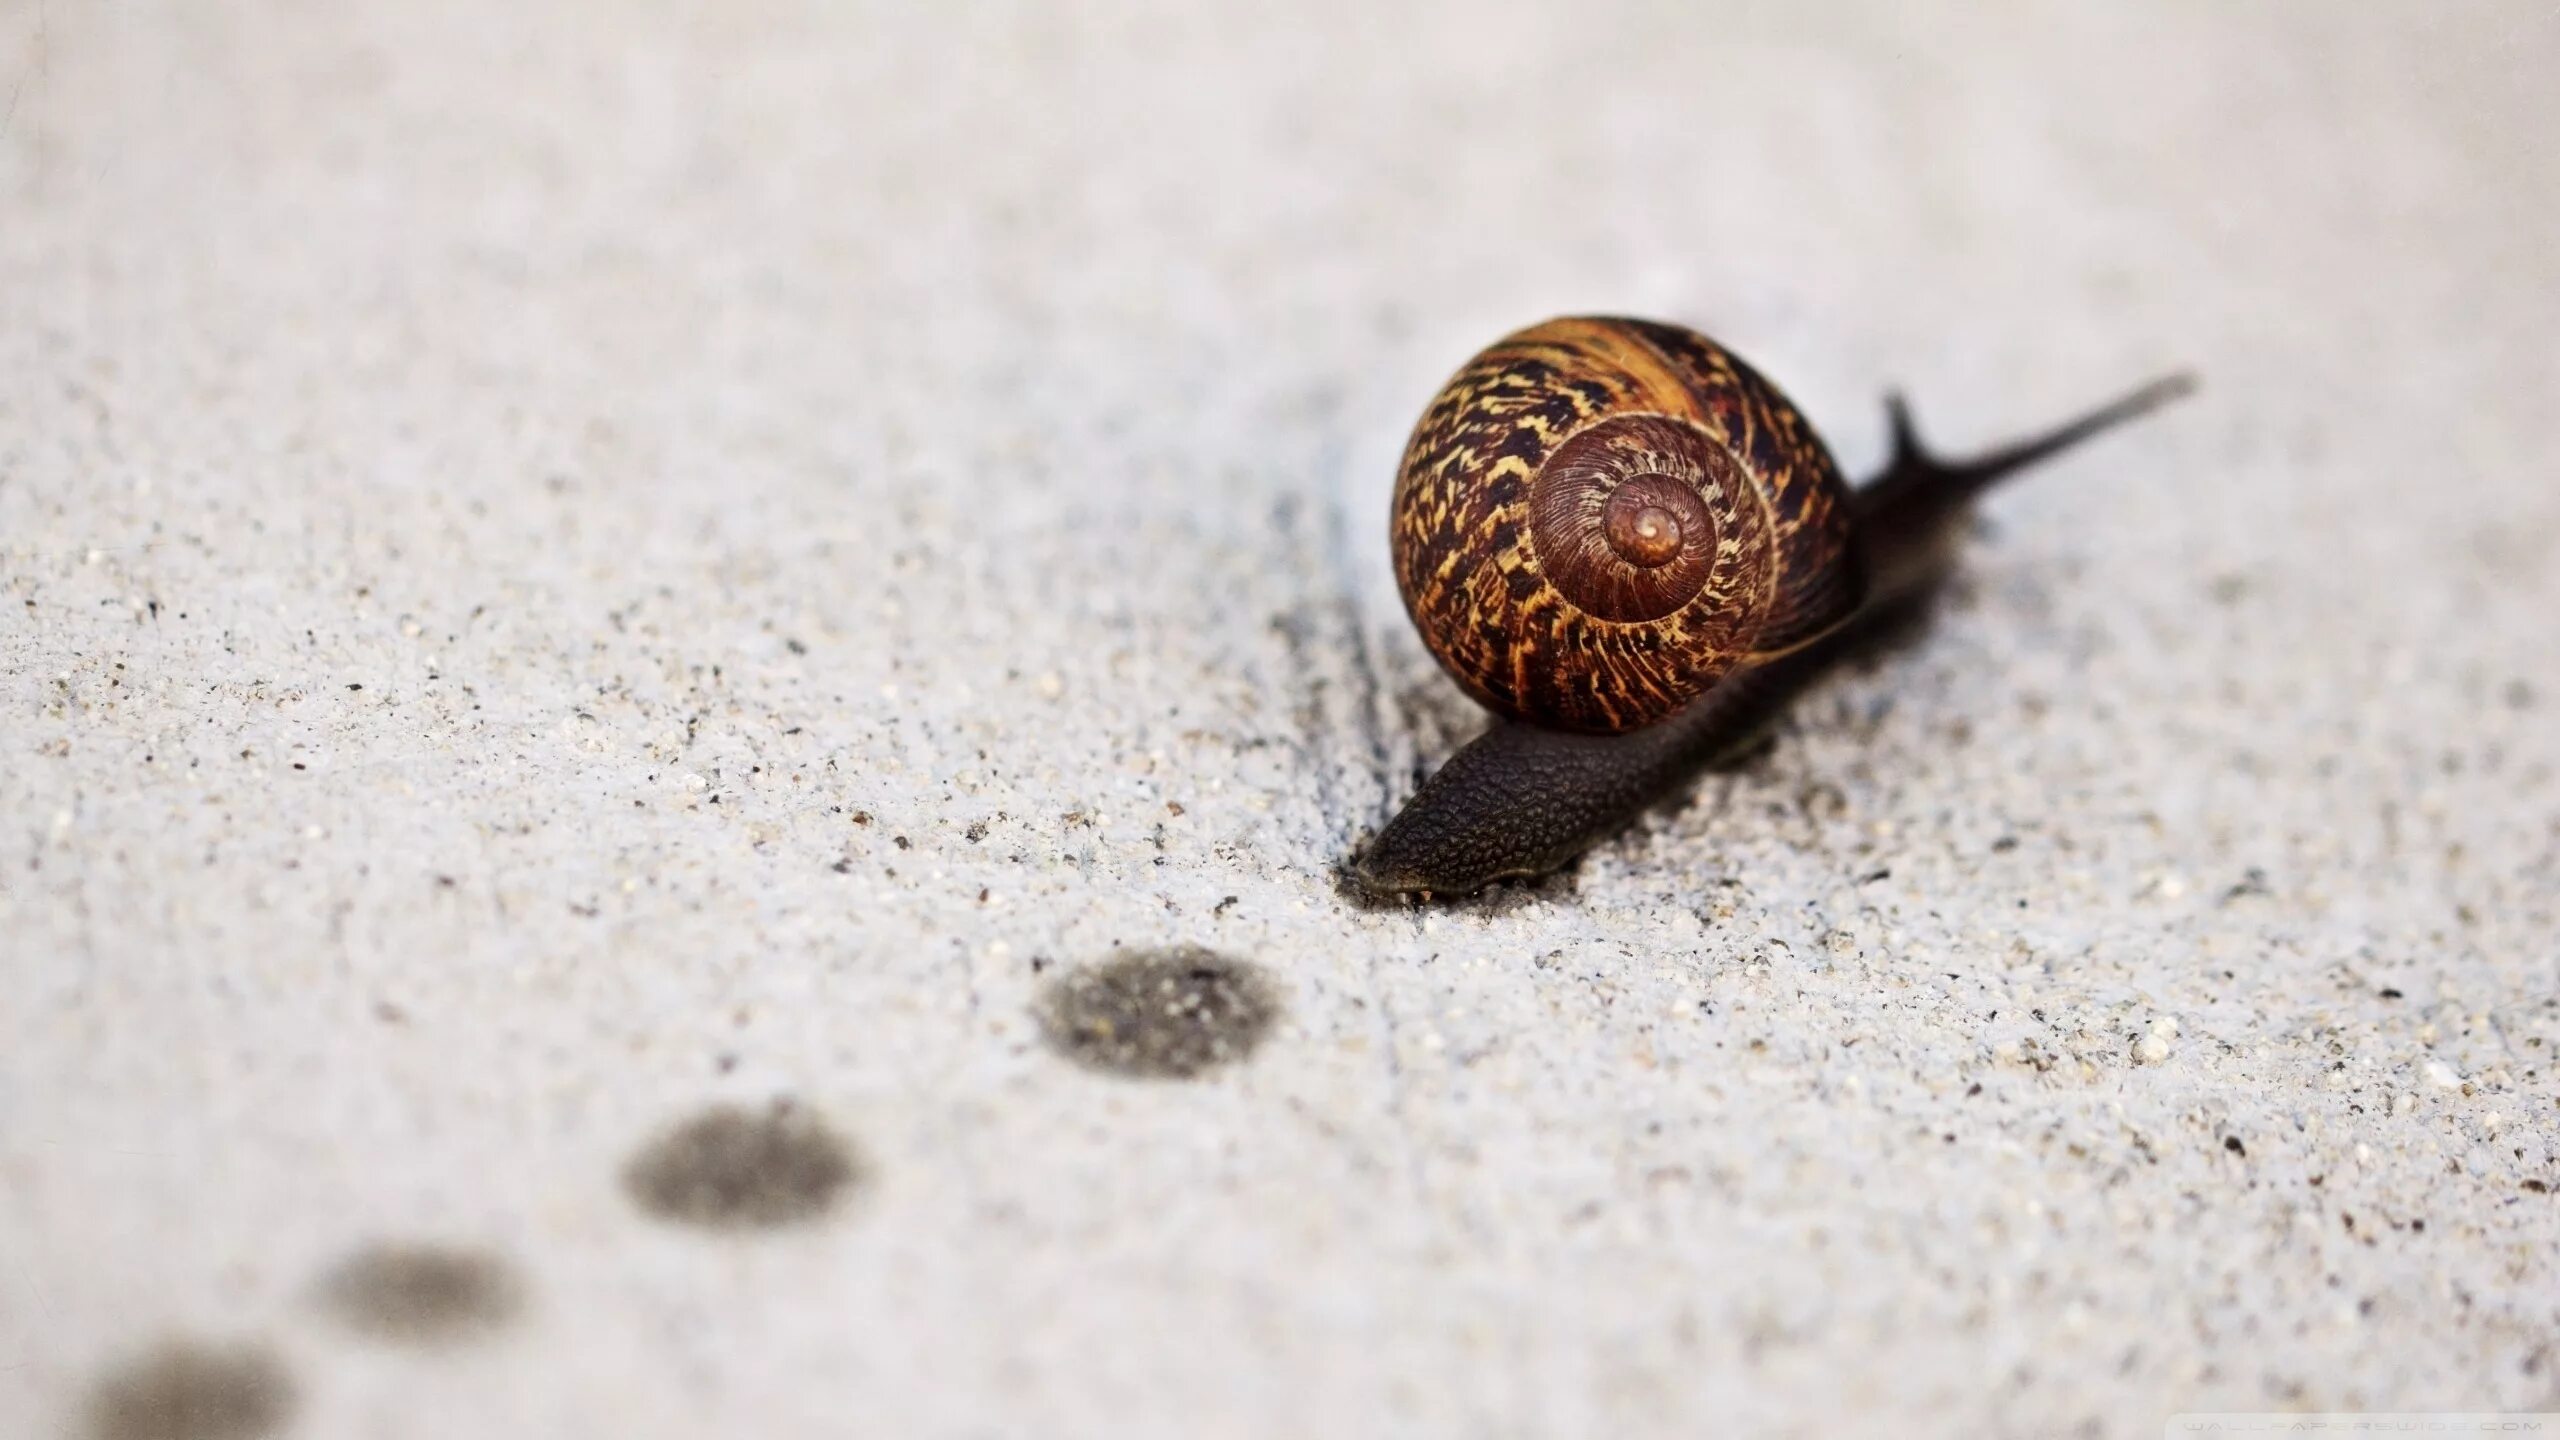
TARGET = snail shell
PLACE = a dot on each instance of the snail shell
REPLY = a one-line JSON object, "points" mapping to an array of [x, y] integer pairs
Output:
{"points": [[1598, 518]]}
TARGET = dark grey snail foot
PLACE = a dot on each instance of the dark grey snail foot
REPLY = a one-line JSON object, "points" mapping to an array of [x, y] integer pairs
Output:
{"points": [[1516, 803], [1385, 876], [1521, 802], [1361, 890]]}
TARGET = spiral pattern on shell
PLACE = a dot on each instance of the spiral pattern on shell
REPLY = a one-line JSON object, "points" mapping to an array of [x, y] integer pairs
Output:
{"points": [[1598, 518]]}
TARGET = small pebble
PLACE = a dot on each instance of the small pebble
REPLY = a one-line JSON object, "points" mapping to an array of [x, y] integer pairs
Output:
{"points": [[2155, 1045]]}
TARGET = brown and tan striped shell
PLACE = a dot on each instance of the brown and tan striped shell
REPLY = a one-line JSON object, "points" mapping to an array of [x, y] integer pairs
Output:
{"points": [[1597, 518]]}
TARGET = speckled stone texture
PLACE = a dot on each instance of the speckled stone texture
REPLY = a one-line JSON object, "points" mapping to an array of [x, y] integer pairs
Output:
{"points": [[572, 567]]}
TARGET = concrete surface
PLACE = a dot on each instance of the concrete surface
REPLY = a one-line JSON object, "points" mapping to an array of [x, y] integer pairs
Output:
{"points": [[601, 599]]}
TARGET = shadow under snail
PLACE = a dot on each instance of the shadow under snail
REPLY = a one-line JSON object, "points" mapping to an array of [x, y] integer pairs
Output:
{"points": [[1633, 549]]}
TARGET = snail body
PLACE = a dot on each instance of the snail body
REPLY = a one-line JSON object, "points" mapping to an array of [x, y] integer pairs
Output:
{"points": [[1633, 549]]}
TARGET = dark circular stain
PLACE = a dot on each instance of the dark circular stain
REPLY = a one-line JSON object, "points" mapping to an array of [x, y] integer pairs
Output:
{"points": [[733, 1168], [1170, 1014], [193, 1390], [422, 1293]]}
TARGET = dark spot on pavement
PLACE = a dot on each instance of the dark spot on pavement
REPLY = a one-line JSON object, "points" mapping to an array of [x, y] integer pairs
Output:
{"points": [[419, 1292], [193, 1390], [1167, 1014], [734, 1168]]}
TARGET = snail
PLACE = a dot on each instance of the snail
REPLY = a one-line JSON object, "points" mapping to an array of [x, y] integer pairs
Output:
{"points": [[1633, 549]]}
